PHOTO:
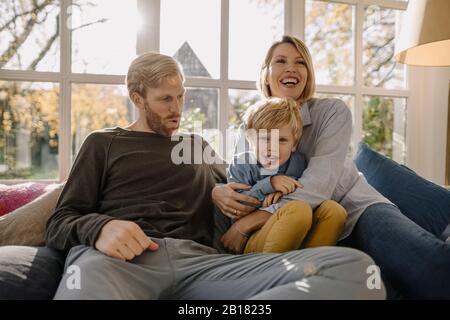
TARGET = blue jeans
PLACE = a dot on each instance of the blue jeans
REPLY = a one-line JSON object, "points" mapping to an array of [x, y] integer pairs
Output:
{"points": [[413, 261]]}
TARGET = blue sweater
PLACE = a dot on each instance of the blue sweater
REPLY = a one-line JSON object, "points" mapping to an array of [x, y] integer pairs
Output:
{"points": [[246, 169]]}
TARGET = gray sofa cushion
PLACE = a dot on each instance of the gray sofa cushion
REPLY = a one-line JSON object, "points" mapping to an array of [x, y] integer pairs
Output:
{"points": [[29, 272]]}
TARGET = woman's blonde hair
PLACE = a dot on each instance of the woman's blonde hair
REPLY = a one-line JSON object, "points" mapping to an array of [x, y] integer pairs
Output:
{"points": [[274, 113], [310, 87], [148, 70]]}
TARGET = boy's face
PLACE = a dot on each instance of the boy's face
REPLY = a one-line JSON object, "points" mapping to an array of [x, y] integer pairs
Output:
{"points": [[274, 147]]}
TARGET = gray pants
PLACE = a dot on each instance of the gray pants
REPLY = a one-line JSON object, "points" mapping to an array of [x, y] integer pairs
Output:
{"points": [[183, 269]]}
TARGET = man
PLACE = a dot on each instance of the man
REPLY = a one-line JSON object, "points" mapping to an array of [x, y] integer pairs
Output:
{"points": [[140, 226]]}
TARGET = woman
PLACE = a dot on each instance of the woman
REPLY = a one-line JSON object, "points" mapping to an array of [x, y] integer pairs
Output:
{"points": [[409, 256]]}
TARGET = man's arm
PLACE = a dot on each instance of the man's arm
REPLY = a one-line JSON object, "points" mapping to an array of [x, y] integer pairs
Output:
{"points": [[76, 220]]}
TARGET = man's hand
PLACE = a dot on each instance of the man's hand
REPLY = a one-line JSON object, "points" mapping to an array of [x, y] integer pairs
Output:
{"points": [[284, 184], [234, 240], [272, 198], [123, 240], [227, 200]]}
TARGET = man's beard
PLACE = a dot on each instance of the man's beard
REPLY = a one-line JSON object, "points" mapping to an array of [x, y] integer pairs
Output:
{"points": [[155, 122]]}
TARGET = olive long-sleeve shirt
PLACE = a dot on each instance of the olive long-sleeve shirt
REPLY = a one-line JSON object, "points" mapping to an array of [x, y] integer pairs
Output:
{"points": [[130, 175]]}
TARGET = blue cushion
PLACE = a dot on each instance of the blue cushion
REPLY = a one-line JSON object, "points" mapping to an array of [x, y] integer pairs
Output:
{"points": [[29, 272], [422, 201]]}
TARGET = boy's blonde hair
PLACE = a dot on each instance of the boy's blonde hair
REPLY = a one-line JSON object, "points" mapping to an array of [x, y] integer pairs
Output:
{"points": [[310, 87], [148, 70], [274, 113]]}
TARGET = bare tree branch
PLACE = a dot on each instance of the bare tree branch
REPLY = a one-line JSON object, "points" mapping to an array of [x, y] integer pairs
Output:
{"points": [[378, 47], [17, 42], [18, 15], [46, 48], [382, 63], [90, 23], [388, 76], [53, 38]]}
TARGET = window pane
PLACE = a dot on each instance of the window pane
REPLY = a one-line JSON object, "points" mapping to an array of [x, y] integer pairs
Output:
{"points": [[348, 99], [380, 30], [254, 25], [330, 26], [239, 101], [104, 35], [384, 126], [190, 32], [97, 106], [29, 37], [200, 105], [29, 130], [200, 114]]}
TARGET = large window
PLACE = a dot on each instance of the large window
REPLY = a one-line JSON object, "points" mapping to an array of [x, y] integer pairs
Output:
{"points": [[352, 44], [63, 65]]}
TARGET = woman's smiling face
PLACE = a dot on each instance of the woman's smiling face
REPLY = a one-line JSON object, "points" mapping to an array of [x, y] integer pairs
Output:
{"points": [[287, 73]]}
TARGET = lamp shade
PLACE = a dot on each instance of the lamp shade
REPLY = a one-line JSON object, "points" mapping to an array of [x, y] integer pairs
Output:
{"points": [[425, 35]]}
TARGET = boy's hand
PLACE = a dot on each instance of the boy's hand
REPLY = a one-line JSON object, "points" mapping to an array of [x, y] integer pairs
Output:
{"points": [[272, 198], [284, 184], [123, 240]]}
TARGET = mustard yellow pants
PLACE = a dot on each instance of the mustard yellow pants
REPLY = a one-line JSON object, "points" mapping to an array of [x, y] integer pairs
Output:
{"points": [[295, 226]]}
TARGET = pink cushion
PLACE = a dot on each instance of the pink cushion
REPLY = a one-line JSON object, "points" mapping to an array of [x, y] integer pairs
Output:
{"points": [[15, 196]]}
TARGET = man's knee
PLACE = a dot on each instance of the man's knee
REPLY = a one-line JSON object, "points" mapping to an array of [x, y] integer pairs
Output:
{"points": [[342, 261], [91, 263], [344, 266], [351, 254], [90, 276], [358, 267]]}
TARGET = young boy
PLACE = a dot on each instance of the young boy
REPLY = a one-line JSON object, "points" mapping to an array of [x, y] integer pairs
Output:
{"points": [[272, 168]]}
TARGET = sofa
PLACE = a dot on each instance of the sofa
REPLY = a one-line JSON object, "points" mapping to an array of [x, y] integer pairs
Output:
{"points": [[29, 270]]}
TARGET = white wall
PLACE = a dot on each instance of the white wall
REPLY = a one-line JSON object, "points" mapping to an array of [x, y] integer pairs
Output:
{"points": [[427, 121]]}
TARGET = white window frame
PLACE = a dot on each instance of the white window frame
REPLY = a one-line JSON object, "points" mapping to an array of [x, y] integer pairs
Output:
{"points": [[64, 78], [358, 89], [148, 40]]}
